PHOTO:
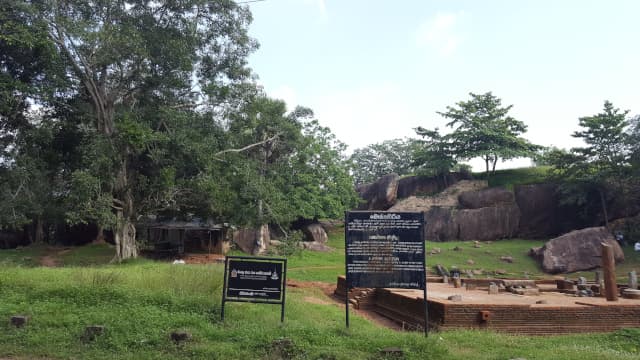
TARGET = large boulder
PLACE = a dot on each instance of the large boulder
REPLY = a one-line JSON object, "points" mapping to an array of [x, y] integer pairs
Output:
{"points": [[315, 232], [487, 223], [427, 185], [538, 205], [440, 224], [576, 251], [486, 198], [379, 195], [252, 241]]}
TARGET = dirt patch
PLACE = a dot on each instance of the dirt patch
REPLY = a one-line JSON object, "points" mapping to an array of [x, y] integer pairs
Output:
{"points": [[49, 261], [317, 301], [446, 198], [328, 290], [191, 258]]}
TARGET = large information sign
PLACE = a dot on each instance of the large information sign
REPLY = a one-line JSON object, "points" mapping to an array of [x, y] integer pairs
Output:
{"points": [[254, 279], [385, 250]]}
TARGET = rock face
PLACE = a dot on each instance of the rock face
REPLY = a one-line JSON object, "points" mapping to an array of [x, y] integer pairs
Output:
{"points": [[486, 198], [252, 241], [379, 195], [539, 209], [488, 223], [577, 250], [315, 232], [426, 185], [447, 198], [440, 224]]}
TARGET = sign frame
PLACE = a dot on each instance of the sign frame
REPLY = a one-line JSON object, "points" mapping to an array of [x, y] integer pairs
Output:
{"points": [[254, 259], [420, 233]]}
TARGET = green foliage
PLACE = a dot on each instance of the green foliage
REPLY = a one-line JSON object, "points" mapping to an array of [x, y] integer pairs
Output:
{"points": [[376, 160], [433, 155], [481, 128], [511, 177], [601, 172], [290, 245], [293, 167]]}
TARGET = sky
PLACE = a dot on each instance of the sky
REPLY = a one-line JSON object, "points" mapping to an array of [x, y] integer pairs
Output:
{"points": [[373, 70]]}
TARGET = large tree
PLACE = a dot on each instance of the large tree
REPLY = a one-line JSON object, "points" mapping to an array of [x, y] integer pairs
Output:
{"points": [[376, 160], [602, 168], [483, 128], [290, 166], [136, 70]]}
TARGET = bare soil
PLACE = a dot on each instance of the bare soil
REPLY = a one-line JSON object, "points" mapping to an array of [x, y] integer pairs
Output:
{"points": [[52, 257]]}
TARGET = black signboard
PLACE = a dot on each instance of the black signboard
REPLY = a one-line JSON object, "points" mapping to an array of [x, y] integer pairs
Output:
{"points": [[385, 250], [254, 279]]}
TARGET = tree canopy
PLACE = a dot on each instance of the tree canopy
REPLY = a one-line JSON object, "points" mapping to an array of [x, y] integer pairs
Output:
{"points": [[482, 128], [115, 110], [376, 160], [600, 171]]}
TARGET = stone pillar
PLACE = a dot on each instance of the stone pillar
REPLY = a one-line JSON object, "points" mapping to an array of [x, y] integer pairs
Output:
{"points": [[609, 268], [598, 276], [493, 289], [633, 280]]}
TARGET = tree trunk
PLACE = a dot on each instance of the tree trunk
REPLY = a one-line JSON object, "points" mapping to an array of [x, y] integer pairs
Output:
{"points": [[99, 236], [495, 161], [125, 238], [39, 231], [125, 231], [603, 203], [486, 163]]}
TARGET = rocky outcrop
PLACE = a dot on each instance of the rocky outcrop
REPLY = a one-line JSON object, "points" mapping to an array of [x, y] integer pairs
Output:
{"points": [[252, 241], [538, 205], [379, 195], [428, 185], [447, 198], [440, 224], [315, 233], [486, 198], [576, 251], [488, 223]]}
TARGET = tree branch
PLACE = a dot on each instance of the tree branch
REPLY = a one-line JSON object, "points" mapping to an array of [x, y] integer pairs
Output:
{"points": [[250, 146]]}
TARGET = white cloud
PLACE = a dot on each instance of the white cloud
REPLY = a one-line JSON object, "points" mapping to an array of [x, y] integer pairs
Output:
{"points": [[439, 33]]}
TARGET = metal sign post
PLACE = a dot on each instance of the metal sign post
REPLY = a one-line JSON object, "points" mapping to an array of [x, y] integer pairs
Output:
{"points": [[254, 280], [385, 250]]}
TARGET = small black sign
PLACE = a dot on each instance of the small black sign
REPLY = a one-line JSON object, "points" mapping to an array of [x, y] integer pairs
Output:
{"points": [[385, 250], [254, 279]]}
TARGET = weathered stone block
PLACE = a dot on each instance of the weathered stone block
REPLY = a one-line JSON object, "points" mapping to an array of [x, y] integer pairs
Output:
{"points": [[19, 320]]}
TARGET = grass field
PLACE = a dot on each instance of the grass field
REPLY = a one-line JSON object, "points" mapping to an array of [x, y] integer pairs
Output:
{"points": [[142, 301], [510, 177]]}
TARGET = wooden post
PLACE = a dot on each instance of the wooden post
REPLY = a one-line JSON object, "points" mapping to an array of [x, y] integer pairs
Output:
{"points": [[609, 268]]}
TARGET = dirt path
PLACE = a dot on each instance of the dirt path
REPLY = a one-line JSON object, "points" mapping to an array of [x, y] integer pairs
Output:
{"points": [[48, 261], [52, 257], [329, 298]]}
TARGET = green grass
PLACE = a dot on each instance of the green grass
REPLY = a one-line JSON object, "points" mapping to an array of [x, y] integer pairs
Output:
{"points": [[141, 302], [511, 177], [487, 257]]}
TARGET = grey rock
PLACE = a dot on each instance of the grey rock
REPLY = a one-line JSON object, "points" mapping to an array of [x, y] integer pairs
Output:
{"points": [[578, 250]]}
